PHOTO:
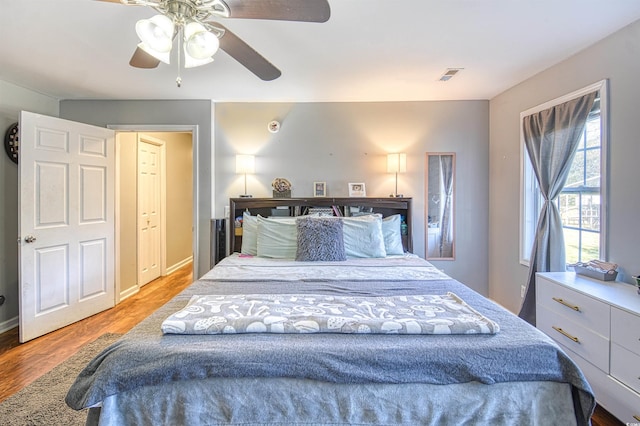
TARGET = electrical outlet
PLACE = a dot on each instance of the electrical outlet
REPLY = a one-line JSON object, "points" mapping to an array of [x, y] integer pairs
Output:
{"points": [[226, 211], [523, 289]]}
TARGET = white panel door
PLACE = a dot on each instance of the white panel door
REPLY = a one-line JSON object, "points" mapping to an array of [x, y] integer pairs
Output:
{"points": [[66, 211], [150, 242]]}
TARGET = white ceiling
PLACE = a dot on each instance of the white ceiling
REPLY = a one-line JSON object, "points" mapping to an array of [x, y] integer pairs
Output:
{"points": [[369, 50]]}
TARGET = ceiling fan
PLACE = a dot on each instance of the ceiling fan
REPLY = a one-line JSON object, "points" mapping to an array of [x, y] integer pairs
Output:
{"points": [[201, 36]]}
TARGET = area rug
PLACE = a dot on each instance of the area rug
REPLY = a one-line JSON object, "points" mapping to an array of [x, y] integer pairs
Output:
{"points": [[42, 402]]}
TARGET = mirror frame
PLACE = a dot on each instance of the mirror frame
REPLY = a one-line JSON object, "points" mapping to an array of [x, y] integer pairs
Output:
{"points": [[430, 234]]}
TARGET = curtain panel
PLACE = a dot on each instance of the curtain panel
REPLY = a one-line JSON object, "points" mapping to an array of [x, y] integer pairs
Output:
{"points": [[551, 138]]}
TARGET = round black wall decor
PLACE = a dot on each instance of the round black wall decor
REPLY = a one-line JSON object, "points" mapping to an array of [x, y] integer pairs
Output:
{"points": [[11, 142]]}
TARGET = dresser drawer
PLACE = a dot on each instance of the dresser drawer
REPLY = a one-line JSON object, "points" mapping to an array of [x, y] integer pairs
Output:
{"points": [[587, 311], [625, 329], [625, 366], [572, 335], [622, 402]]}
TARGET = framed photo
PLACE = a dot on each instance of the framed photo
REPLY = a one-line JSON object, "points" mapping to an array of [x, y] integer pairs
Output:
{"points": [[319, 189], [357, 190]]}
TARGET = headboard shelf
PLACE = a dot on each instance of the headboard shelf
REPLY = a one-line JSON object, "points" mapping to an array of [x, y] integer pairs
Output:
{"points": [[340, 206]]}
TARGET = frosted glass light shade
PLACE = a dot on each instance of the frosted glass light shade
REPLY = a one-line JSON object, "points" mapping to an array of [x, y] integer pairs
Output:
{"points": [[397, 163], [190, 62], [245, 164], [198, 42], [156, 32]]}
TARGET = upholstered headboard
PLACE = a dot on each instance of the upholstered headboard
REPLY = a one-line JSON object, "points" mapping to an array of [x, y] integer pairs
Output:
{"points": [[337, 206]]}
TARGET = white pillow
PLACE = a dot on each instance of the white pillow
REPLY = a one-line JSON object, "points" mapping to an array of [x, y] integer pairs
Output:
{"points": [[363, 236], [249, 234], [392, 235], [277, 237]]}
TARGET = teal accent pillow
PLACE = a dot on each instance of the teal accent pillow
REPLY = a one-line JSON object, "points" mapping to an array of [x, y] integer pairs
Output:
{"points": [[277, 237], [363, 236], [249, 234], [392, 234]]}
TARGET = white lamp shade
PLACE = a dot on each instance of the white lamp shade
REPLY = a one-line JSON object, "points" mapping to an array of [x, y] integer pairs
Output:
{"points": [[156, 32], [245, 164], [198, 42], [397, 163]]}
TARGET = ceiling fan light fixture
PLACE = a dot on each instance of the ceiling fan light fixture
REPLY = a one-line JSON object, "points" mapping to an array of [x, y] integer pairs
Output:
{"points": [[199, 43], [156, 32], [191, 62], [161, 56]]}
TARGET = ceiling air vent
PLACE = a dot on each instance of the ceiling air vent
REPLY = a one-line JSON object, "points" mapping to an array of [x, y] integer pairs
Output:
{"points": [[450, 73]]}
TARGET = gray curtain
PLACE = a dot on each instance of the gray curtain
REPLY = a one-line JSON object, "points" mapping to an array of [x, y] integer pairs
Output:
{"points": [[551, 138], [446, 224]]}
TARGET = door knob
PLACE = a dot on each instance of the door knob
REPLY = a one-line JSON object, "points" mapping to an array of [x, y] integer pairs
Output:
{"points": [[29, 239]]}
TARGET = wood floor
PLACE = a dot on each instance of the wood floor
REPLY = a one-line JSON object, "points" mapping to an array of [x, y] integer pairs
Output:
{"points": [[21, 364]]}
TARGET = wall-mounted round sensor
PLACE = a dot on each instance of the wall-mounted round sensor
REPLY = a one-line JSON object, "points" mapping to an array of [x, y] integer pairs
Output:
{"points": [[273, 126]]}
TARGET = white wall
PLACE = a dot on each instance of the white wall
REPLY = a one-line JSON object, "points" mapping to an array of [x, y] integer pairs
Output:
{"points": [[13, 99], [616, 58], [340, 143]]}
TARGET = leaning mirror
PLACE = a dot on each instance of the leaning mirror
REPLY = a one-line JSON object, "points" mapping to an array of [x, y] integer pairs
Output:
{"points": [[440, 187]]}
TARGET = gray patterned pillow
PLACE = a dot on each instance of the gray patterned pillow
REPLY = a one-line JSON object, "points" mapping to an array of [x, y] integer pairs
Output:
{"points": [[320, 239]]}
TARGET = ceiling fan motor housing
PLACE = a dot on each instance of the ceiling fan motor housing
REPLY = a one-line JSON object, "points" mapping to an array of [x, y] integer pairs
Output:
{"points": [[183, 10]]}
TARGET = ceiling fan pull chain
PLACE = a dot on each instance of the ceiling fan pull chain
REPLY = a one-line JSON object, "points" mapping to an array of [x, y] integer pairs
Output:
{"points": [[180, 36]]}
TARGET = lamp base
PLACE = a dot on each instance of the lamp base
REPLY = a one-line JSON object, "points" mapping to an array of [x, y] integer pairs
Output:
{"points": [[396, 195], [245, 196]]}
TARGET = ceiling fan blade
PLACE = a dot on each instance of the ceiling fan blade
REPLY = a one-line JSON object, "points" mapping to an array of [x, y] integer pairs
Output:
{"points": [[243, 53], [280, 10], [142, 59]]}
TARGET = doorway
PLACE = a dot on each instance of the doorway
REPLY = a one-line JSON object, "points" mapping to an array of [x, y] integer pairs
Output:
{"points": [[175, 242]]}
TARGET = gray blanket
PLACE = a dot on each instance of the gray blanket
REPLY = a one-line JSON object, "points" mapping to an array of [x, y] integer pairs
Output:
{"points": [[316, 313], [145, 356]]}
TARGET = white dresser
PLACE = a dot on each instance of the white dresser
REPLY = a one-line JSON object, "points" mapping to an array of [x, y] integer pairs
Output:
{"points": [[598, 325]]}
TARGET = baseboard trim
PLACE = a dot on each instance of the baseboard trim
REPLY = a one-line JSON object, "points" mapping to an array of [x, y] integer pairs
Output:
{"points": [[128, 293], [175, 267], [8, 324]]}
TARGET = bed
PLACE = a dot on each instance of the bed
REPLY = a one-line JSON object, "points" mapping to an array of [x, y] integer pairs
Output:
{"points": [[278, 359]]}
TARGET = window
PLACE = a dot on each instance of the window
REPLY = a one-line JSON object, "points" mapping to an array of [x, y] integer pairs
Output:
{"points": [[583, 197]]}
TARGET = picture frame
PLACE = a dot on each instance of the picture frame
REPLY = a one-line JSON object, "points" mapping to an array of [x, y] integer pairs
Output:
{"points": [[357, 190], [319, 189]]}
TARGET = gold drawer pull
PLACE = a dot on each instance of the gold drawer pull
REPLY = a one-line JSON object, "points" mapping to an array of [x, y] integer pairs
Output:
{"points": [[565, 334], [568, 305], [637, 418]]}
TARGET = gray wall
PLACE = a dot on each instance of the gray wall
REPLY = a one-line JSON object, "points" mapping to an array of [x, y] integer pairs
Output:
{"points": [[166, 113], [13, 99], [347, 142], [616, 58]]}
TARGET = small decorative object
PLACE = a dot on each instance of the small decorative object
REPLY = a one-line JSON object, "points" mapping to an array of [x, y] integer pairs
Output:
{"points": [[281, 188], [603, 271], [357, 190], [319, 189], [273, 126]]}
